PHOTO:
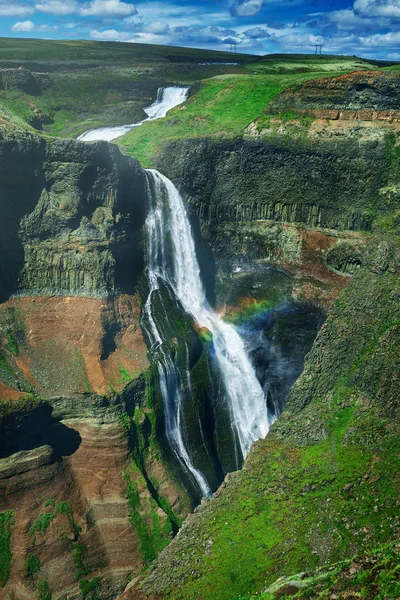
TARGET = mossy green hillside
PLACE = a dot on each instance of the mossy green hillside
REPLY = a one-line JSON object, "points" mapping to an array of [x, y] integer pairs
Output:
{"points": [[324, 484], [79, 53], [79, 85], [7, 520], [303, 63], [372, 575]]}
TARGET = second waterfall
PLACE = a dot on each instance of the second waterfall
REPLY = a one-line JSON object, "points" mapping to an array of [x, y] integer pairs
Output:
{"points": [[172, 266]]}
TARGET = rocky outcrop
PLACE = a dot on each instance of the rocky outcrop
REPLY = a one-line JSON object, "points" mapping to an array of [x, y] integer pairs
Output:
{"points": [[72, 217], [357, 91], [319, 183], [86, 513], [23, 80], [71, 514]]}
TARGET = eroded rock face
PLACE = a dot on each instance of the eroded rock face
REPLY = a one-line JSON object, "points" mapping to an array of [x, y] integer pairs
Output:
{"points": [[23, 80], [72, 217], [282, 201], [358, 91], [86, 494], [320, 183], [68, 345], [85, 498]]}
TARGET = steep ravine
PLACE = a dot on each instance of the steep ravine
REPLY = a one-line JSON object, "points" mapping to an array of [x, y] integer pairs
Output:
{"points": [[324, 484], [89, 501], [89, 491], [71, 335]]}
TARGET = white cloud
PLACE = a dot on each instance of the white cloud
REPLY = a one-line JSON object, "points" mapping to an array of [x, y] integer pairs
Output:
{"points": [[246, 8], [27, 26], [290, 40], [23, 26], [111, 35], [157, 28], [107, 8], [57, 7], [15, 10], [346, 19], [377, 8], [94, 8], [256, 33], [382, 39]]}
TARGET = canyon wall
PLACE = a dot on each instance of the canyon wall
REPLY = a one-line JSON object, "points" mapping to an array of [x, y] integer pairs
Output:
{"points": [[89, 495], [85, 499]]}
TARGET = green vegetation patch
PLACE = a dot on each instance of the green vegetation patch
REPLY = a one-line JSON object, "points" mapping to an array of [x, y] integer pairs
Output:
{"points": [[224, 106], [7, 520], [42, 522], [303, 63], [90, 588], [43, 590], [374, 574], [41, 525], [79, 553], [153, 535], [32, 565]]}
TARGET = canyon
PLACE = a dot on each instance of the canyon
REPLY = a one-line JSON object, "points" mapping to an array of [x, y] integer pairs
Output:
{"points": [[294, 226]]}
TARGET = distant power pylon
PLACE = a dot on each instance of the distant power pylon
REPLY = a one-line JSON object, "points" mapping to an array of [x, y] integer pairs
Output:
{"points": [[318, 48], [233, 47]]}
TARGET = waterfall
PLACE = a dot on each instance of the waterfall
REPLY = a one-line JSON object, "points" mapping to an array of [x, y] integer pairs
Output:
{"points": [[167, 98], [171, 259]]}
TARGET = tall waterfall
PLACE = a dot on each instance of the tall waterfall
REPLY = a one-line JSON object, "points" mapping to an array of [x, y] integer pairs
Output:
{"points": [[172, 260], [167, 98]]}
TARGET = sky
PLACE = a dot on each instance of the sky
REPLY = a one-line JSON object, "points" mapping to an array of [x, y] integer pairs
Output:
{"points": [[367, 28]]}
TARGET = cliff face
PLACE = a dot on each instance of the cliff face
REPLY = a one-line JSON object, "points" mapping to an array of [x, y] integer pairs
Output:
{"points": [[303, 202], [320, 183], [73, 216], [357, 91], [82, 510]]}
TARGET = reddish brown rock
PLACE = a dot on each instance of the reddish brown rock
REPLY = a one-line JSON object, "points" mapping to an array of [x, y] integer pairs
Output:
{"points": [[69, 345], [91, 481]]}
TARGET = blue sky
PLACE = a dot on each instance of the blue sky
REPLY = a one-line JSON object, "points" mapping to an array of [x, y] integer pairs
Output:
{"points": [[369, 28]]}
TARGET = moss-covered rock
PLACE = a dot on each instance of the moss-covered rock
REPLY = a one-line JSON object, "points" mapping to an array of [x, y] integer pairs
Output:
{"points": [[371, 574]]}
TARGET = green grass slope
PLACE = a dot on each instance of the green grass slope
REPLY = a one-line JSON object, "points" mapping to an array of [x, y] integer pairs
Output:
{"points": [[225, 105], [85, 84], [80, 52], [372, 575], [324, 484]]}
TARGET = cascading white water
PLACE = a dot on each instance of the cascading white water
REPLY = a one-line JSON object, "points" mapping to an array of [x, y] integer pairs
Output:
{"points": [[167, 98], [178, 267], [168, 373]]}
